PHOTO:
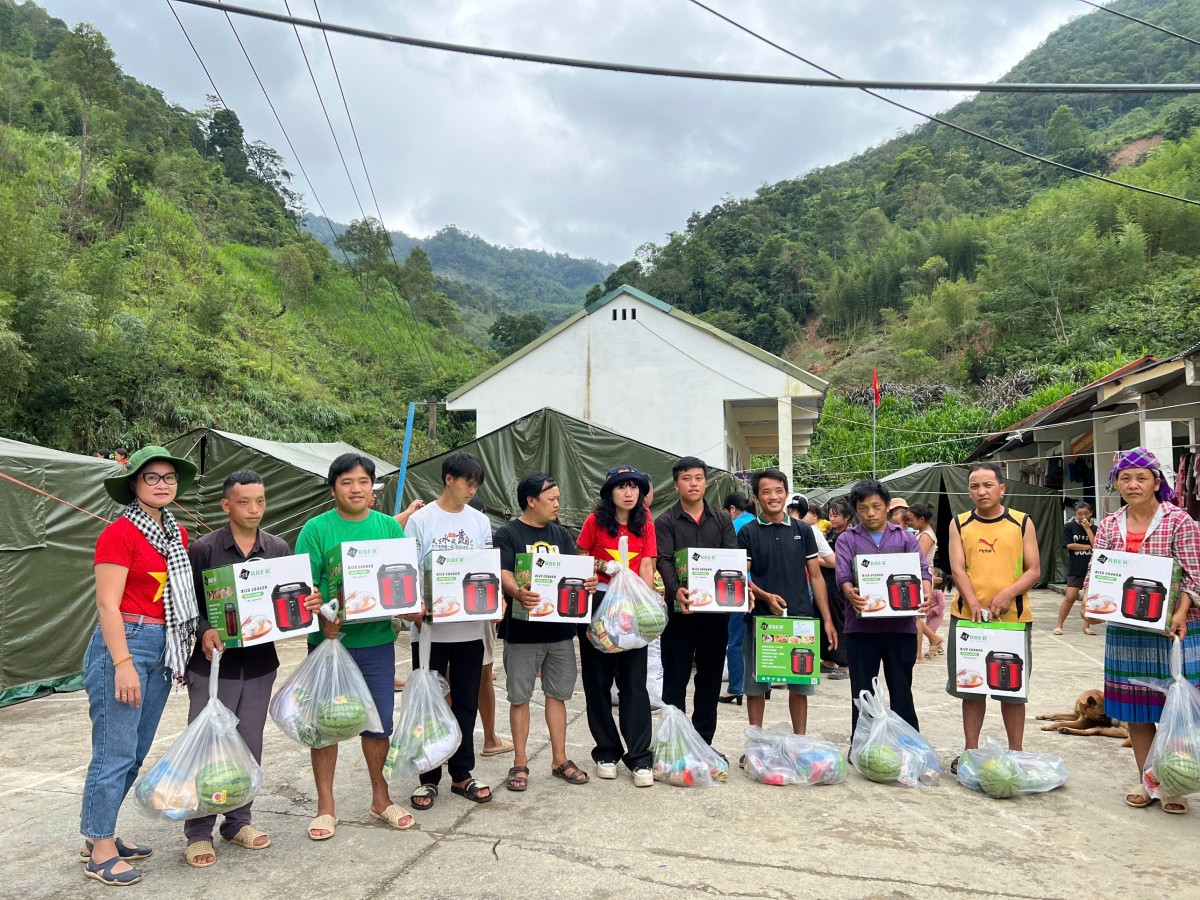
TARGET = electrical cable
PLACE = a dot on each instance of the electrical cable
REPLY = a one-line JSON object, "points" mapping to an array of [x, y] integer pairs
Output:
{"points": [[940, 121], [569, 62], [1182, 37]]}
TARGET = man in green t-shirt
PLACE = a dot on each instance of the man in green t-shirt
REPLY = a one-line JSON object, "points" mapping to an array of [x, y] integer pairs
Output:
{"points": [[351, 476]]}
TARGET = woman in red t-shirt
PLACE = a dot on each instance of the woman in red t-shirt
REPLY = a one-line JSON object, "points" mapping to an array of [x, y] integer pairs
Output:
{"points": [[621, 512], [146, 600]]}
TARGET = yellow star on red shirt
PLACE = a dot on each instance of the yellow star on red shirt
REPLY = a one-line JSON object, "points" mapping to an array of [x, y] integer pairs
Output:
{"points": [[161, 578]]}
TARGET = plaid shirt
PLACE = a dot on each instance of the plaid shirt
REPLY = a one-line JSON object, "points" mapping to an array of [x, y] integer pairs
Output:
{"points": [[1172, 533]]}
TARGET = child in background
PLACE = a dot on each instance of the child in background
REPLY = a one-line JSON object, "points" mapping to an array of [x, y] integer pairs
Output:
{"points": [[937, 612]]}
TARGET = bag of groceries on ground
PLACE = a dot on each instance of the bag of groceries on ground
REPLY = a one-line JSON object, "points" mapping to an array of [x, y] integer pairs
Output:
{"points": [[681, 756], [630, 615], [326, 699], [999, 772], [208, 770], [1172, 769], [426, 732], [887, 749], [780, 757]]}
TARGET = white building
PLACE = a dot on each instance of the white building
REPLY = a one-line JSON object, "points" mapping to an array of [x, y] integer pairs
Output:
{"points": [[642, 368]]}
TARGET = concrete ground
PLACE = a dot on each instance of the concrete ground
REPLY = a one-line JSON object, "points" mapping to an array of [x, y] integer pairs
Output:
{"points": [[853, 840]]}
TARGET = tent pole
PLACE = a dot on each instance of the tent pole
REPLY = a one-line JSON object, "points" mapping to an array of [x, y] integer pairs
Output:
{"points": [[408, 427]]}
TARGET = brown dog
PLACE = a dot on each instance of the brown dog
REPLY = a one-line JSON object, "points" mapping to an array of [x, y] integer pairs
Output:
{"points": [[1088, 718]]}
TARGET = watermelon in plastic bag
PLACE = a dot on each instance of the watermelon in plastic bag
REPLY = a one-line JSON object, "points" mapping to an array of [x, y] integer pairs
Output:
{"points": [[326, 699], [1001, 773], [887, 749]]}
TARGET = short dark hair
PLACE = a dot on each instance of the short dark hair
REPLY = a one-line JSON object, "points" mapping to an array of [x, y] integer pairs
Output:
{"points": [[533, 486], [121, 451], [688, 462], [773, 474], [799, 503], [984, 464], [866, 487], [104, 453], [738, 501], [241, 476], [815, 508], [461, 464], [1083, 504], [842, 505], [348, 462], [921, 511]]}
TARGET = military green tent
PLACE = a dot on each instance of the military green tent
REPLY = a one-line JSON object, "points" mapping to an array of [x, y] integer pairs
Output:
{"points": [[53, 507], [944, 488], [295, 475], [577, 453]]}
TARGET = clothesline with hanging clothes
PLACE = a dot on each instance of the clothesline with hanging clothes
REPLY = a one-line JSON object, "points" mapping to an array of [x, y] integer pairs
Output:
{"points": [[86, 512]]}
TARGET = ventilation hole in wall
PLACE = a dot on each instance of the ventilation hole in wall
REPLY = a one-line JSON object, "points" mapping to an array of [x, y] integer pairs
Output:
{"points": [[633, 314], [614, 315], [623, 312]]}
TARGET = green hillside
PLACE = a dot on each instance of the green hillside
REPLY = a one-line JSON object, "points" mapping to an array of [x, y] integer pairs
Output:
{"points": [[172, 286]]}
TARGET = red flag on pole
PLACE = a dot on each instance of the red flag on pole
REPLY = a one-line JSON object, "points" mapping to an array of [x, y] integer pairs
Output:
{"points": [[875, 384]]}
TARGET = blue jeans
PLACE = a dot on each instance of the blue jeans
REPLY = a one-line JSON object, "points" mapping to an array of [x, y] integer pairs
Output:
{"points": [[733, 652], [121, 734]]}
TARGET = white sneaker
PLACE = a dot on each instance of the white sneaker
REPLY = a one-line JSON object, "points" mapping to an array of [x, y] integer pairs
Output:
{"points": [[642, 778], [606, 770]]}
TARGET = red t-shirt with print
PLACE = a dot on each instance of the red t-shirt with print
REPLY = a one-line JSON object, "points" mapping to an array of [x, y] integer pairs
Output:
{"points": [[599, 544], [123, 545]]}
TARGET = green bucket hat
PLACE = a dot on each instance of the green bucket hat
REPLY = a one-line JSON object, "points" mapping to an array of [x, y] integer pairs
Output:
{"points": [[120, 487]]}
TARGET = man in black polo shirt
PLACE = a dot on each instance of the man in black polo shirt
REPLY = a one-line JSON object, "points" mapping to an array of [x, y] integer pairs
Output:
{"points": [[246, 673], [783, 565], [690, 637]]}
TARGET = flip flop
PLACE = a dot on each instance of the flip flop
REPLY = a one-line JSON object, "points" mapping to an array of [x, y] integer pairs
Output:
{"points": [[198, 849], [127, 852], [517, 779], [394, 815], [506, 746], [471, 791], [322, 823], [425, 790], [103, 873], [246, 836]]}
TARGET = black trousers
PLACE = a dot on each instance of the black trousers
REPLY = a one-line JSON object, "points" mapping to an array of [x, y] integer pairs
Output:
{"points": [[897, 653], [701, 637], [837, 612], [465, 662], [598, 672]]}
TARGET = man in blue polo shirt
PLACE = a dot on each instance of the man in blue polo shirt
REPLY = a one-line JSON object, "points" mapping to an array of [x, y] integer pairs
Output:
{"points": [[783, 564]]}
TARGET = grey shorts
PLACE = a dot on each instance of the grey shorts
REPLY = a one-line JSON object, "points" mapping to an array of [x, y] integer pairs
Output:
{"points": [[555, 660], [952, 668], [754, 688]]}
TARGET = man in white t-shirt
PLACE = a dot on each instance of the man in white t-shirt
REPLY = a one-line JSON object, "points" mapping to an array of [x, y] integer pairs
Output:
{"points": [[450, 524]]}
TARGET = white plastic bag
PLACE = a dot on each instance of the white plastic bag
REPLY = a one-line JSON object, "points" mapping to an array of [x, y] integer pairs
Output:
{"points": [[681, 756], [887, 749], [780, 757], [1172, 769], [208, 770], [631, 614], [426, 732], [326, 699], [999, 772]]}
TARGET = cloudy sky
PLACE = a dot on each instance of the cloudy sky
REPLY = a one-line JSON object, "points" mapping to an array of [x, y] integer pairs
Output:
{"points": [[587, 163]]}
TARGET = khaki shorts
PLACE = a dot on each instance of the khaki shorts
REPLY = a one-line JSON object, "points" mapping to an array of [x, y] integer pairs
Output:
{"points": [[489, 643], [555, 660]]}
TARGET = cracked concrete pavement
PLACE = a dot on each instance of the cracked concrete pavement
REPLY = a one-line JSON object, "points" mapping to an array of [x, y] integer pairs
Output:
{"points": [[743, 839]]}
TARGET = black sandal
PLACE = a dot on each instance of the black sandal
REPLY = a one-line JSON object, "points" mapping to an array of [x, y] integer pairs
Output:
{"points": [[954, 765], [471, 791], [424, 792]]}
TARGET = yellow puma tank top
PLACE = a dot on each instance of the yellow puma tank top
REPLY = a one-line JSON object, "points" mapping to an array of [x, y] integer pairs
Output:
{"points": [[994, 552]]}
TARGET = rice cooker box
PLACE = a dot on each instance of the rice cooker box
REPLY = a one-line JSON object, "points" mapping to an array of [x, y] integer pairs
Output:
{"points": [[260, 600], [375, 579], [990, 658], [891, 584], [1136, 590], [787, 650], [464, 586], [716, 578], [559, 579]]}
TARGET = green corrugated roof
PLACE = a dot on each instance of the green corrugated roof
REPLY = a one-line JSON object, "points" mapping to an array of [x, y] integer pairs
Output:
{"points": [[757, 352]]}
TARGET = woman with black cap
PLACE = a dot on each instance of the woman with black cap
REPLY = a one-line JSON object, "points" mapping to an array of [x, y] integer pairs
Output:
{"points": [[620, 513], [146, 599]]}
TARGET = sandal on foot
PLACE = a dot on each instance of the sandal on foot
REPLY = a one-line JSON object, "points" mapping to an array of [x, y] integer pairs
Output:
{"points": [[328, 824], [246, 836], [424, 792], [517, 778], [1057, 631], [103, 873], [394, 816], [200, 848], [1176, 806], [471, 790], [1139, 797], [127, 852], [1087, 629], [506, 746], [954, 765], [570, 773]]}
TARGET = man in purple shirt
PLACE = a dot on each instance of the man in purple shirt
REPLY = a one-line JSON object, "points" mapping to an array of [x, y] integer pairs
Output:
{"points": [[887, 641]]}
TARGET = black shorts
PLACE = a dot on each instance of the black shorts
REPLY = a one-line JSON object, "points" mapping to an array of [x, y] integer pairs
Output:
{"points": [[1076, 581]]}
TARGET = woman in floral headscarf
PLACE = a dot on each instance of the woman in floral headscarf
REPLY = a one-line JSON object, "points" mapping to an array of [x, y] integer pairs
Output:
{"points": [[1149, 523]]}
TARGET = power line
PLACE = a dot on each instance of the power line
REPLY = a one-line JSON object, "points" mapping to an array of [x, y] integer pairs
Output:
{"points": [[416, 337], [1182, 37], [866, 89], [628, 68]]}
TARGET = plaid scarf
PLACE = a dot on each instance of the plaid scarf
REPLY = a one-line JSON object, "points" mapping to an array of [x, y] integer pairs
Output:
{"points": [[1141, 458], [179, 592]]}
